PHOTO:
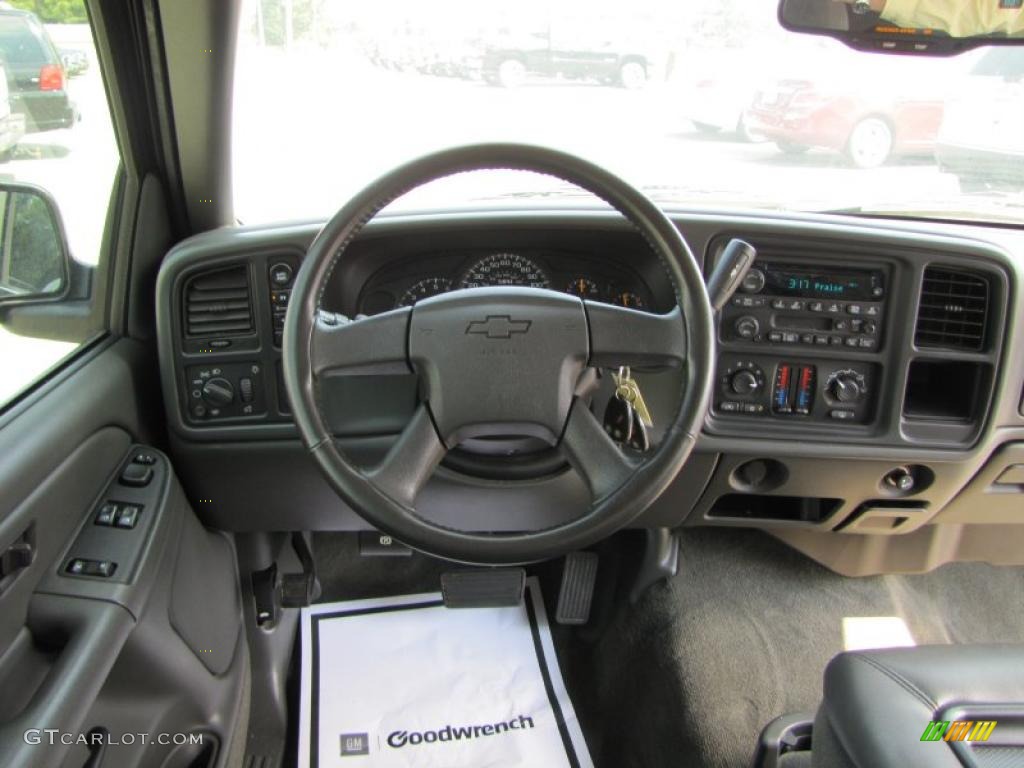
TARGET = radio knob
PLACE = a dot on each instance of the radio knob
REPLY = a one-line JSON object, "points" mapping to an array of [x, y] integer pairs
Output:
{"points": [[753, 281], [747, 327], [218, 392], [743, 383], [845, 389]]}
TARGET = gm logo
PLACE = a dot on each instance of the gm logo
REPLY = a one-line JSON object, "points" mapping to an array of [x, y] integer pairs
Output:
{"points": [[958, 730], [353, 744], [498, 327]]}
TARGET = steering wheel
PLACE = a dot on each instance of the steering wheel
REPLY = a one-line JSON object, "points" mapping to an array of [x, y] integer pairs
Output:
{"points": [[499, 361]]}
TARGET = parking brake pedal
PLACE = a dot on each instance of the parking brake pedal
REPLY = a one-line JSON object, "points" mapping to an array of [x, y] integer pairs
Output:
{"points": [[577, 591], [300, 589], [490, 588]]}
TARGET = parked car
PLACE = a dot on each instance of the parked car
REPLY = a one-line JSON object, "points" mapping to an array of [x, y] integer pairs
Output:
{"points": [[75, 61], [981, 138], [870, 112], [552, 50], [35, 73], [12, 125]]}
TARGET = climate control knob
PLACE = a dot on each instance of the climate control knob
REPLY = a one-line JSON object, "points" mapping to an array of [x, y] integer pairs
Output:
{"points": [[747, 327], [846, 387], [218, 392], [743, 383]]}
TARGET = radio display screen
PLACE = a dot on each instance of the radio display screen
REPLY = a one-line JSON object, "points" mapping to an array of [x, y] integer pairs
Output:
{"points": [[818, 284]]}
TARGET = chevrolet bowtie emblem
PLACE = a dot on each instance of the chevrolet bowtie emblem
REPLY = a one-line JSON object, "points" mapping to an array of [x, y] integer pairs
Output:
{"points": [[498, 327]]}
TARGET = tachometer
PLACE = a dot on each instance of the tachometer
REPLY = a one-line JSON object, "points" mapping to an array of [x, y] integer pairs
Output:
{"points": [[505, 269], [424, 289]]}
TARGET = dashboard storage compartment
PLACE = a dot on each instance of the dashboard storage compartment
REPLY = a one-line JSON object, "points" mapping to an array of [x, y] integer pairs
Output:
{"points": [[940, 390], [749, 506]]}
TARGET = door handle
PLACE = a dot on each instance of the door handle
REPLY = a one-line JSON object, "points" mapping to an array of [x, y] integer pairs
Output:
{"points": [[16, 558], [97, 751]]}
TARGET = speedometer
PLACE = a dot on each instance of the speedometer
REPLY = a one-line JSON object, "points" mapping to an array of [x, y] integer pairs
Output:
{"points": [[505, 269]]}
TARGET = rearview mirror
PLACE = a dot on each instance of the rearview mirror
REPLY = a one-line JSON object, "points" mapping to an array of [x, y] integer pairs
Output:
{"points": [[34, 260], [929, 27]]}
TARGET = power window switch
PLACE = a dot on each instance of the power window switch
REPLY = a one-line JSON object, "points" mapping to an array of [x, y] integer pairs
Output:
{"points": [[145, 458], [107, 514], [82, 567], [128, 517], [137, 475]]}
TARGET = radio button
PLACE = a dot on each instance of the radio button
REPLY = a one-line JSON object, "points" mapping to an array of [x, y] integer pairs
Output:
{"points": [[816, 306], [753, 408], [778, 303], [834, 308], [851, 341], [840, 415], [872, 310], [807, 338], [775, 336], [728, 407], [841, 325], [867, 343], [791, 338], [836, 341], [821, 340], [749, 301], [854, 309]]}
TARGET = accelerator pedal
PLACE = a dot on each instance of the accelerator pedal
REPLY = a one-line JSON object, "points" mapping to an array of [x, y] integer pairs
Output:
{"points": [[577, 591]]}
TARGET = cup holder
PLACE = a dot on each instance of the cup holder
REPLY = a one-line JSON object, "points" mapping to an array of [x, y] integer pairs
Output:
{"points": [[759, 476]]}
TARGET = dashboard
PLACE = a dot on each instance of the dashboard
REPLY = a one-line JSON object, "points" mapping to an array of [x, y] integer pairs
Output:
{"points": [[868, 381]]}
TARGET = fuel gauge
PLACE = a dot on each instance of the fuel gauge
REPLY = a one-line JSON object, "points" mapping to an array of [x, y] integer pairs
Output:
{"points": [[583, 287]]}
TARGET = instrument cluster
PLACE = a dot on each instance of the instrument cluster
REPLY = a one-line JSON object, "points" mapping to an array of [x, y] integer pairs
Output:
{"points": [[414, 280]]}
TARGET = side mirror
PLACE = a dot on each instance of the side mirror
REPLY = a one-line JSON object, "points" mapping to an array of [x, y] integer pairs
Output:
{"points": [[35, 266]]}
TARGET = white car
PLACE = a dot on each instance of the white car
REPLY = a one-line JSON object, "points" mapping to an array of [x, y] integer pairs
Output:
{"points": [[981, 138], [12, 126]]}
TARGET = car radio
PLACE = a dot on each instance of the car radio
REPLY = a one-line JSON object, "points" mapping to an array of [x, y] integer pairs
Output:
{"points": [[806, 304]]}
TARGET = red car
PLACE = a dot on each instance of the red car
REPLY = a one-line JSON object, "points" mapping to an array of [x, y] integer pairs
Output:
{"points": [[877, 113]]}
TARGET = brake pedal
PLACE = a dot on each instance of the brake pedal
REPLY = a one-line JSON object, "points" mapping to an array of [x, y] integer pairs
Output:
{"points": [[579, 574], [489, 588]]}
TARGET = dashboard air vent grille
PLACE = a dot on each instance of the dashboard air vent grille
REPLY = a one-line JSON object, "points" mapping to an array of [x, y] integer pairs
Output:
{"points": [[953, 311], [219, 303]]}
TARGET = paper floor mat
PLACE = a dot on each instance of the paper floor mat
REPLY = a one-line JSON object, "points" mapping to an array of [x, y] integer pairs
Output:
{"points": [[405, 681]]}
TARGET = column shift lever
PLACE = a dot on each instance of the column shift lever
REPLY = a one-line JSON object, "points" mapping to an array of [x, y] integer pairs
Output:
{"points": [[735, 261]]}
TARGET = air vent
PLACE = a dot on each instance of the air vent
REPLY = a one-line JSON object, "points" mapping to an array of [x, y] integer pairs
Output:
{"points": [[953, 311], [218, 304]]}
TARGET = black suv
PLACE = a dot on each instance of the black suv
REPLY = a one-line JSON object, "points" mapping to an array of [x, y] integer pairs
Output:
{"points": [[38, 83]]}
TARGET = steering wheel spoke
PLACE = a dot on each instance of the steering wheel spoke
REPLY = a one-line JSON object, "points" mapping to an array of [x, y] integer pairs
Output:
{"points": [[367, 345], [407, 467], [621, 336], [601, 463]]}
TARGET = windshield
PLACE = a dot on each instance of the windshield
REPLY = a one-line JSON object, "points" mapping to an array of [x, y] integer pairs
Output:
{"points": [[699, 104]]}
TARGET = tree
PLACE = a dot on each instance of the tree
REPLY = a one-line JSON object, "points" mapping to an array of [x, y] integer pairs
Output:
{"points": [[55, 11]]}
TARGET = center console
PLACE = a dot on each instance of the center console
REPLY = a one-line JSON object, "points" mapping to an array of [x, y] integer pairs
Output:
{"points": [[801, 341]]}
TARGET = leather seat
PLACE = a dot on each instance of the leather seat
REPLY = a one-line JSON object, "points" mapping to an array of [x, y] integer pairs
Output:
{"points": [[878, 705]]}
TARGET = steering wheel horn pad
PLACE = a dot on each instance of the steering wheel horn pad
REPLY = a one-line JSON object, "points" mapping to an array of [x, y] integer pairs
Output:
{"points": [[501, 361]]}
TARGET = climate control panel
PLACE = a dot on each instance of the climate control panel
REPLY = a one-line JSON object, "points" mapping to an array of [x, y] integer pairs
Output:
{"points": [[827, 391]]}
